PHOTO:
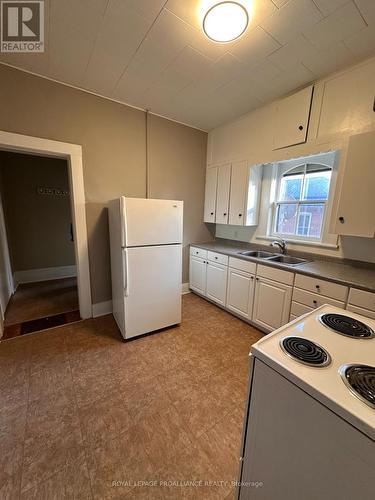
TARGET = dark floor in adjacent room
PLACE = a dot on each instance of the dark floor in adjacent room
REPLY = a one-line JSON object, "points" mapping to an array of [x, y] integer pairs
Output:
{"points": [[36, 306], [86, 415]]}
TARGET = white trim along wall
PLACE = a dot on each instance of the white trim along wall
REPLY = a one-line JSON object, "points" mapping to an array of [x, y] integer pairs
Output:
{"points": [[44, 274], [73, 154]]}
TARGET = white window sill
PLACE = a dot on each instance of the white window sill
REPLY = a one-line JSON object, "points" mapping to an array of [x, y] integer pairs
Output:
{"points": [[318, 244]]}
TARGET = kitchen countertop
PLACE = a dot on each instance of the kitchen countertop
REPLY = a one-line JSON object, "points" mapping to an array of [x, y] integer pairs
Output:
{"points": [[342, 273]]}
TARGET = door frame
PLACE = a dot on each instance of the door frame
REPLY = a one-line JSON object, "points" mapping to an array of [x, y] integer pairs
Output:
{"points": [[72, 153]]}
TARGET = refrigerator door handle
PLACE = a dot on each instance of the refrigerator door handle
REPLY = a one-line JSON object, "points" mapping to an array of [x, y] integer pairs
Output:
{"points": [[126, 272]]}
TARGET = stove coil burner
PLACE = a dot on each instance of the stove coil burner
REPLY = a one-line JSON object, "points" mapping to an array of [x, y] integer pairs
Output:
{"points": [[304, 351], [360, 380], [347, 326]]}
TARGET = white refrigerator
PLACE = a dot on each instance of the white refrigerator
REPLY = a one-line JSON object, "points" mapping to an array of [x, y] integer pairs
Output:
{"points": [[146, 263]]}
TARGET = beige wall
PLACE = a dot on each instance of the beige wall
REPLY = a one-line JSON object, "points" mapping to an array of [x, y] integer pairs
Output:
{"points": [[38, 226], [175, 172], [113, 140]]}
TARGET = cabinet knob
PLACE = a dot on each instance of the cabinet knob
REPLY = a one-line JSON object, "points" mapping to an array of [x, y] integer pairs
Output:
{"points": [[257, 279], [215, 258], [342, 220], [212, 213], [225, 214], [252, 277], [317, 287], [239, 215], [315, 302], [300, 127]]}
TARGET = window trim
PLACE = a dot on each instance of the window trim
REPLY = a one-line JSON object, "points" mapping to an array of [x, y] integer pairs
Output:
{"points": [[328, 203]]}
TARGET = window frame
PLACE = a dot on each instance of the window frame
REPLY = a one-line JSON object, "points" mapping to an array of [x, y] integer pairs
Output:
{"points": [[304, 162]]}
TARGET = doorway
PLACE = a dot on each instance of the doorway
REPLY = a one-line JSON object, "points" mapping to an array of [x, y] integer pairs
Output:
{"points": [[49, 281], [37, 214]]}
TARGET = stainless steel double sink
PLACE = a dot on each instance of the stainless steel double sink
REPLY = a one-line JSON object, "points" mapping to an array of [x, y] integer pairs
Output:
{"points": [[273, 257]]}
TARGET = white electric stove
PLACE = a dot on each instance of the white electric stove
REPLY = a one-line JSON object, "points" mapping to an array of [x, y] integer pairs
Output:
{"points": [[310, 425]]}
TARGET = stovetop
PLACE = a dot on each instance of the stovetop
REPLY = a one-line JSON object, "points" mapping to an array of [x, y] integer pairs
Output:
{"points": [[316, 357]]}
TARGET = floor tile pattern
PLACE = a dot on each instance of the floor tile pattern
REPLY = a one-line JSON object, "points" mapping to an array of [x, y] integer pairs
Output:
{"points": [[85, 415]]}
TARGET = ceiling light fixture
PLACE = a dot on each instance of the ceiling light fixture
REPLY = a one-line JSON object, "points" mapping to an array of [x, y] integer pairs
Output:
{"points": [[225, 22]]}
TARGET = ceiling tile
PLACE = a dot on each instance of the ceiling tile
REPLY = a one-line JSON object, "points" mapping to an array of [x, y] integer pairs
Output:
{"points": [[367, 8], [326, 7], [254, 46], [131, 89], [188, 66], [342, 24], [188, 10], [73, 30], [166, 39], [148, 8], [290, 80], [208, 48], [331, 59], [261, 10], [220, 72], [280, 3], [294, 17], [362, 44], [120, 33], [293, 53]]}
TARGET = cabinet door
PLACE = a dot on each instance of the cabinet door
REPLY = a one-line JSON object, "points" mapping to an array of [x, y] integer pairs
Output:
{"points": [[271, 303], [216, 283], [210, 195], [356, 204], [240, 293], [198, 274], [223, 189], [291, 119], [238, 189], [348, 101], [253, 192]]}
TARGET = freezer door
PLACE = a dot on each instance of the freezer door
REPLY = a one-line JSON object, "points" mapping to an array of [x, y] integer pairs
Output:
{"points": [[152, 288], [151, 222]]}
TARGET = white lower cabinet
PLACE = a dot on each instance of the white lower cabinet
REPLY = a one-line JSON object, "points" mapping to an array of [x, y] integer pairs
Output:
{"points": [[216, 282], [240, 293], [271, 303], [198, 271]]}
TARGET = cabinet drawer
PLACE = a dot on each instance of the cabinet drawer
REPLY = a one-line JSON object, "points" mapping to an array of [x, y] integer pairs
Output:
{"points": [[360, 310], [360, 298], [299, 309], [275, 274], [198, 252], [322, 287], [314, 300], [218, 257], [242, 265]]}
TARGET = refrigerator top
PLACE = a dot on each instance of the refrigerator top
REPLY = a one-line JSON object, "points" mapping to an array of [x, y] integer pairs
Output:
{"points": [[147, 222]]}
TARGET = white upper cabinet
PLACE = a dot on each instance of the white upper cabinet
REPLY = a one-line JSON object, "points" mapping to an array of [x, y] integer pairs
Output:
{"points": [[233, 193], [348, 101], [223, 191], [210, 195], [291, 119], [238, 193], [356, 199], [244, 194]]}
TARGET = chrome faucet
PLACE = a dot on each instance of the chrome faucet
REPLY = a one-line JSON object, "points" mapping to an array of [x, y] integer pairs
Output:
{"points": [[281, 244]]}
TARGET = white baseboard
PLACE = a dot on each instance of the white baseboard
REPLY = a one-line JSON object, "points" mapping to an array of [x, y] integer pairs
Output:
{"points": [[102, 308], [185, 288], [44, 274]]}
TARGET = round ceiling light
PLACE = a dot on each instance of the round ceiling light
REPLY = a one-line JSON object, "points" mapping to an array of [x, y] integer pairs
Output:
{"points": [[225, 22]]}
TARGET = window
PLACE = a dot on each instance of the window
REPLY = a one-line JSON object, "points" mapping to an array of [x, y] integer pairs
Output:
{"points": [[301, 201]]}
